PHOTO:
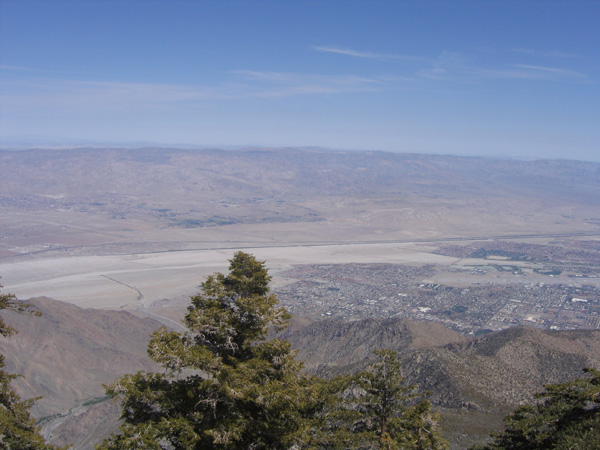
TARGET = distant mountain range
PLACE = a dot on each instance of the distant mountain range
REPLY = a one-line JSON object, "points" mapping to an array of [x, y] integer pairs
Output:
{"points": [[286, 173], [124, 199]]}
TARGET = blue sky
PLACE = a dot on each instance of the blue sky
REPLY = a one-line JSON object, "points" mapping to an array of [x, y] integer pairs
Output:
{"points": [[502, 78]]}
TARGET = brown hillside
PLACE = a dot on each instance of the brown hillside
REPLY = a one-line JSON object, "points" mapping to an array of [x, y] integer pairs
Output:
{"points": [[339, 343], [66, 354], [506, 368]]}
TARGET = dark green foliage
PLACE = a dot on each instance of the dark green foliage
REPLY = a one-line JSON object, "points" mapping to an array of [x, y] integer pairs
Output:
{"points": [[247, 276], [227, 386], [567, 416], [239, 390], [376, 409], [17, 428]]}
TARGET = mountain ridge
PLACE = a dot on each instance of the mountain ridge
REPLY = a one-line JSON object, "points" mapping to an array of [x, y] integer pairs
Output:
{"points": [[67, 353], [473, 381]]}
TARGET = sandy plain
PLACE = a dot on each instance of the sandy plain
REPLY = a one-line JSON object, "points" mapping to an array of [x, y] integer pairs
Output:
{"points": [[74, 229], [139, 281], [149, 281], [141, 265]]}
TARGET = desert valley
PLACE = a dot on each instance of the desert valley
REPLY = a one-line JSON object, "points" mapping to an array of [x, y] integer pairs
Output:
{"points": [[483, 273]]}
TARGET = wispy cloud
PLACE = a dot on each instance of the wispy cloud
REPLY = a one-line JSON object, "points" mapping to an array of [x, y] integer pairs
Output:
{"points": [[32, 92], [452, 66], [270, 84], [9, 70], [370, 55], [552, 72], [101, 95], [20, 93], [542, 54], [17, 68]]}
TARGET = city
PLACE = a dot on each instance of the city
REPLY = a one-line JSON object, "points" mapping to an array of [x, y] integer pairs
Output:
{"points": [[545, 286]]}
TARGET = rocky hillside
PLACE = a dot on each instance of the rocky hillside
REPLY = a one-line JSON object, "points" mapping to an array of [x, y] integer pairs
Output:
{"points": [[474, 382], [67, 353], [331, 345], [504, 369], [501, 369]]}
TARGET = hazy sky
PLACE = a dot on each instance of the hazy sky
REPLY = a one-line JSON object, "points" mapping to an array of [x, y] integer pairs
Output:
{"points": [[515, 78]]}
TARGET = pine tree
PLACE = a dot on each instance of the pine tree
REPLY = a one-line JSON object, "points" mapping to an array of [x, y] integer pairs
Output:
{"points": [[377, 410], [566, 416], [229, 385], [225, 384]]}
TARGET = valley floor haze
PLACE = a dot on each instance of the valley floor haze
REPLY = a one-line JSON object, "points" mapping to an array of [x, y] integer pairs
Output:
{"points": [[472, 242]]}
